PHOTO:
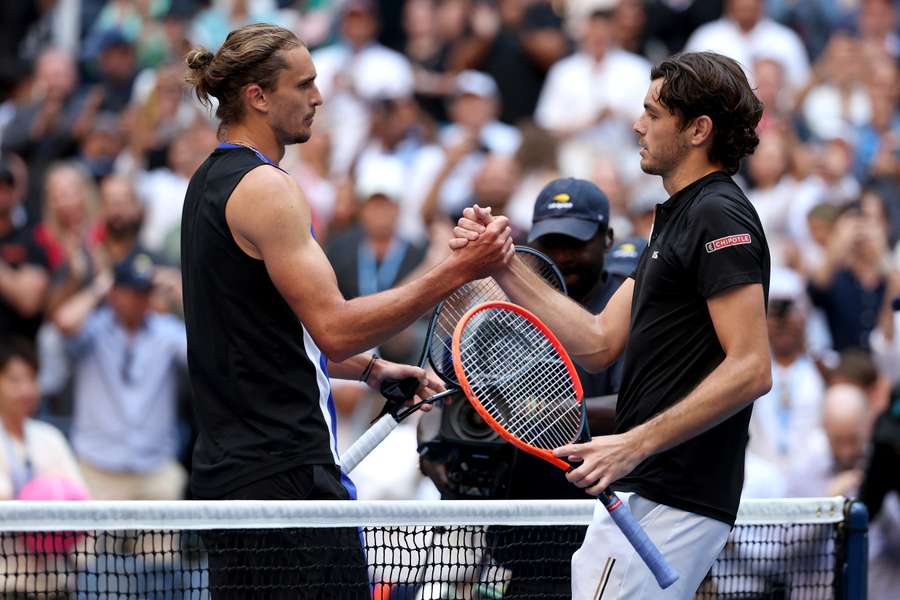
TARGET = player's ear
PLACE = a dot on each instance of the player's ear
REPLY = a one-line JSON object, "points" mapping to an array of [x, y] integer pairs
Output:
{"points": [[256, 97], [701, 130]]}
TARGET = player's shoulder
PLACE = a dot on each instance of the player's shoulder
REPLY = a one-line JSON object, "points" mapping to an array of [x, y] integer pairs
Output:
{"points": [[268, 185], [719, 192]]}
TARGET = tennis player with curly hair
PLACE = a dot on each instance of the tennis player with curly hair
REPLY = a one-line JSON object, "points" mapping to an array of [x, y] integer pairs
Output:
{"points": [[691, 322]]}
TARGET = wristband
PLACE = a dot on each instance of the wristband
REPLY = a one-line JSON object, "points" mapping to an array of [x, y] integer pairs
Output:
{"points": [[368, 370]]}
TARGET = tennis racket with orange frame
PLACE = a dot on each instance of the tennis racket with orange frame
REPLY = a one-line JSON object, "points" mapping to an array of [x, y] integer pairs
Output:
{"points": [[520, 379]]}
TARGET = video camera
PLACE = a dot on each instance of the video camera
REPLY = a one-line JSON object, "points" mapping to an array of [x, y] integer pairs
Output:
{"points": [[477, 460]]}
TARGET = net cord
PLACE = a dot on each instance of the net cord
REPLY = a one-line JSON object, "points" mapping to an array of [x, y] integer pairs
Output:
{"points": [[254, 514]]}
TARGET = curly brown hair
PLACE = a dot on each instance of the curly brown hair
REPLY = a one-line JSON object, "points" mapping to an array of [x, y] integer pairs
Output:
{"points": [[249, 55], [706, 83]]}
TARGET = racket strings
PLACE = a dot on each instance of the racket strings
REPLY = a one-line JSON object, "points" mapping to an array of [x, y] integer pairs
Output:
{"points": [[464, 298], [520, 379]]}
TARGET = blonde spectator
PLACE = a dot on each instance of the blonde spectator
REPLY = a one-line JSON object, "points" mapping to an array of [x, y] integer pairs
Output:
{"points": [[70, 203]]}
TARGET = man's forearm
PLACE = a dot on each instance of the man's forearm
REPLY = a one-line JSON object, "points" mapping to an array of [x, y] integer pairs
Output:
{"points": [[367, 321], [351, 368], [731, 386], [578, 330]]}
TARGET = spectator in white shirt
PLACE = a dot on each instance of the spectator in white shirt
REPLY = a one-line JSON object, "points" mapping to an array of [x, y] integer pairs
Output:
{"points": [[836, 100], [744, 33], [354, 72], [783, 419], [598, 91], [474, 133], [29, 449]]}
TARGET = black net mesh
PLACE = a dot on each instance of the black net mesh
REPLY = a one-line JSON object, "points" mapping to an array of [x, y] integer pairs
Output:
{"points": [[796, 561]]}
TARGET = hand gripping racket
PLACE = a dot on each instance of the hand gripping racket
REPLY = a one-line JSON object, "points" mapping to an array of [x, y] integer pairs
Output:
{"points": [[522, 382], [437, 350]]}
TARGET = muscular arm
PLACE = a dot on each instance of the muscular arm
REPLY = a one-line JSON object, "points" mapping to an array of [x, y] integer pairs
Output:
{"points": [[595, 341], [738, 316], [270, 220]]}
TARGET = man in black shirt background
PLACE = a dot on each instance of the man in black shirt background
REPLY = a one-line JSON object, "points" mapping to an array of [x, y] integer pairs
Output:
{"points": [[691, 324]]}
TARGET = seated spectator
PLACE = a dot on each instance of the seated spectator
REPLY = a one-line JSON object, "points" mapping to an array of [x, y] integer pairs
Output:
{"points": [[515, 43], [36, 463], [834, 458], [353, 72], [125, 358], [45, 129], [30, 449]]}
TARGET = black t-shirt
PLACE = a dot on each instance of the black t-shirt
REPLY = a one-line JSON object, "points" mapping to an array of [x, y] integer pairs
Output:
{"points": [[706, 238], [260, 391], [18, 248], [518, 77]]}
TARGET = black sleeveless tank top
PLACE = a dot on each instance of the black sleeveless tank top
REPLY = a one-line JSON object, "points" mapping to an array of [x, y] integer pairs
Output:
{"points": [[260, 390]]}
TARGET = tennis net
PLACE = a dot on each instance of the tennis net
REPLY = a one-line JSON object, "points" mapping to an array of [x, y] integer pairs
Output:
{"points": [[390, 550]]}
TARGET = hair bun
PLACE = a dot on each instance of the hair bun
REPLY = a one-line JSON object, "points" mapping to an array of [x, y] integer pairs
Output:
{"points": [[199, 58]]}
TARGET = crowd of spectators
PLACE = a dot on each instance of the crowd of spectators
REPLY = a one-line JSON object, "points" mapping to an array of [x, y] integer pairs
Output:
{"points": [[431, 105]]}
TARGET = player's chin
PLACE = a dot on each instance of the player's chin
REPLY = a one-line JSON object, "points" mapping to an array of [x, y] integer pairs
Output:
{"points": [[301, 136]]}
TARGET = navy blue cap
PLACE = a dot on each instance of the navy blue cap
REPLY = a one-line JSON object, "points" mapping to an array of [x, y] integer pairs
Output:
{"points": [[136, 272], [623, 257], [572, 207]]}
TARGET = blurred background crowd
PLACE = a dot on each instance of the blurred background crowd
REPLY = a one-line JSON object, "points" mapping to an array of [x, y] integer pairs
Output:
{"points": [[430, 106]]}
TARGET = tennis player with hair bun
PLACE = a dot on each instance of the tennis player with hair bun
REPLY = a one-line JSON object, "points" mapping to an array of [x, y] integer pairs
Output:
{"points": [[691, 322], [267, 325]]}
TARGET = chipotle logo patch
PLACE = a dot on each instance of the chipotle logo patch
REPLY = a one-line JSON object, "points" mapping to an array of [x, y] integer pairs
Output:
{"points": [[728, 240]]}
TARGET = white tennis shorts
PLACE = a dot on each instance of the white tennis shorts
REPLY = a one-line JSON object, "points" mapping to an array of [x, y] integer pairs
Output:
{"points": [[606, 567]]}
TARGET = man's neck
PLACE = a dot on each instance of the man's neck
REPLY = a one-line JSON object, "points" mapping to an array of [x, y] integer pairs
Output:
{"points": [[689, 171], [259, 137]]}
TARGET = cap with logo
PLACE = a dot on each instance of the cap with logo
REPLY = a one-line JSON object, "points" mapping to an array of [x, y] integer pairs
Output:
{"points": [[135, 272], [623, 257], [573, 207]]}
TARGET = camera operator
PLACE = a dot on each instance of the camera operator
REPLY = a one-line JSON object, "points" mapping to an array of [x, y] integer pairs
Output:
{"points": [[462, 455]]}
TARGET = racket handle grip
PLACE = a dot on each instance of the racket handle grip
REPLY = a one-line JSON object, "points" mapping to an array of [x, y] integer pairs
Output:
{"points": [[643, 545], [367, 442]]}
